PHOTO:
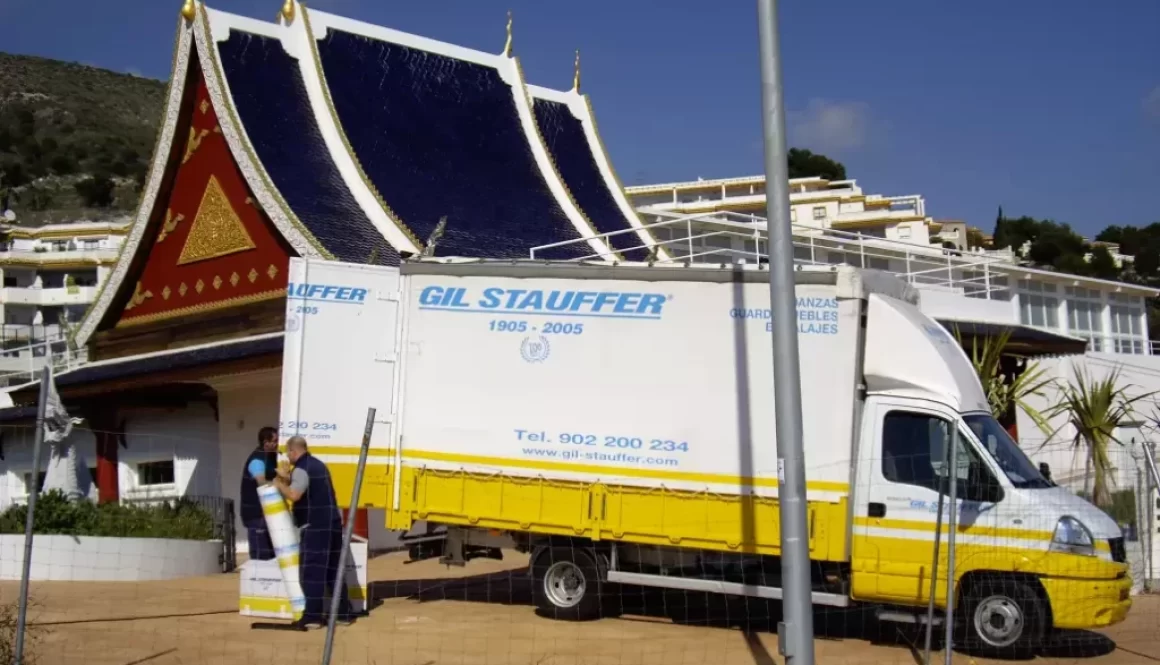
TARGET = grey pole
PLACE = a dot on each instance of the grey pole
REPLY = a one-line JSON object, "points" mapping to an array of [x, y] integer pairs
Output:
{"points": [[347, 532], [796, 633], [952, 526], [934, 564], [37, 444]]}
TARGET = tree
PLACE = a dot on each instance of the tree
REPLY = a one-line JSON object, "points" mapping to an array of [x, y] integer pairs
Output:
{"points": [[1008, 391], [1095, 408], [1103, 264], [96, 191], [1147, 260], [805, 164]]}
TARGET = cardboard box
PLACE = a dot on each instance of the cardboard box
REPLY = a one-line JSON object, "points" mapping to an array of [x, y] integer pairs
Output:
{"points": [[263, 593]]}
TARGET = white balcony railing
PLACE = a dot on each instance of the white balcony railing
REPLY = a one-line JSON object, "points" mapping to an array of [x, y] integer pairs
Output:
{"points": [[63, 295], [726, 237], [26, 256]]}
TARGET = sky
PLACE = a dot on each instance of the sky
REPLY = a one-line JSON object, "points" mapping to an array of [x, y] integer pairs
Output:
{"points": [[1048, 108]]}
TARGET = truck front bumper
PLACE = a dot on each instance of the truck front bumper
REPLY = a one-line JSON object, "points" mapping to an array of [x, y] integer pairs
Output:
{"points": [[1080, 603]]}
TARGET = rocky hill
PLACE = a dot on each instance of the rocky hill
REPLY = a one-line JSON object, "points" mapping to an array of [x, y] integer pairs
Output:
{"points": [[75, 141]]}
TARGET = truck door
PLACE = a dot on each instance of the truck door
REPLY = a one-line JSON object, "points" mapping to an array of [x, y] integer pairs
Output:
{"points": [[901, 462]]}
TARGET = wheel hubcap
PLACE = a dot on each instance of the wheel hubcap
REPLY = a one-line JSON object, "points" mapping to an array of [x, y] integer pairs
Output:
{"points": [[564, 584], [999, 621]]}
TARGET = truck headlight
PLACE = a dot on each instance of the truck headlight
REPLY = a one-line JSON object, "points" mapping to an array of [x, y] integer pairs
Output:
{"points": [[1072, 537]]}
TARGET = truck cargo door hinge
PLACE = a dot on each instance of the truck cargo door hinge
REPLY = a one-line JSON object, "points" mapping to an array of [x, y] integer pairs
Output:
{"points": [[390, 296], [388, 357]]}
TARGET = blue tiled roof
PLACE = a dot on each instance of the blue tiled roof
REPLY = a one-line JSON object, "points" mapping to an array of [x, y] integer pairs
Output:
{"points": [[272, 103], [566, 141], [441, 136]]}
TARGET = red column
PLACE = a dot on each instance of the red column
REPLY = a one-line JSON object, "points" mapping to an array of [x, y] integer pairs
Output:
{"points": [[107, 466], [361, 524]]}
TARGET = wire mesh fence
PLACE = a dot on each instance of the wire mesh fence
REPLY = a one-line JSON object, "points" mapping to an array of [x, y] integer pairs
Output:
{"points": [[147, 579]]}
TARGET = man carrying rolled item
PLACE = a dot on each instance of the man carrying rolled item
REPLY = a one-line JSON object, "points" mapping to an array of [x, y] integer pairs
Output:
{"points": [[317, 516], [260, 468]]}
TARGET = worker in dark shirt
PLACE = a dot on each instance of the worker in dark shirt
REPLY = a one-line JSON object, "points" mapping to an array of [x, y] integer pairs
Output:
{"points": [[261, 467], [317, 516]]}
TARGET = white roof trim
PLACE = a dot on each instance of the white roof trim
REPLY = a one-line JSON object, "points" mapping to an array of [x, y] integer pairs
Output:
{"points": [[297, 42], [239, 143], [161, 152], [581, 108]]}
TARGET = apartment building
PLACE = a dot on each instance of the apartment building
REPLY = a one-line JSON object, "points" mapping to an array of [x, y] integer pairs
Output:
{"points": [[840, 205], [51, 274]]}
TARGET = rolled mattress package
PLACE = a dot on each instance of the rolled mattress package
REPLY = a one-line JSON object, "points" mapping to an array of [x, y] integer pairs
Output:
{"points": [[284, 536]]}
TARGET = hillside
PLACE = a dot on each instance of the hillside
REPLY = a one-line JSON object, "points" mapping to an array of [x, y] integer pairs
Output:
{"points": [[75, 141]]}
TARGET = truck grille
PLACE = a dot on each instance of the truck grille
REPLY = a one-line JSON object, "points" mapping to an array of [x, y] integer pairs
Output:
{"points": [[1119, 555]]}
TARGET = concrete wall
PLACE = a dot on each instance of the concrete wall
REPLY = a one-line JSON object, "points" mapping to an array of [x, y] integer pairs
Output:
{"points": [[86, 558]]}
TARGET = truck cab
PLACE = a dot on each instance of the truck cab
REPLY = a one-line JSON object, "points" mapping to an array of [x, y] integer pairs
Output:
{"points": [[1030, 556]]}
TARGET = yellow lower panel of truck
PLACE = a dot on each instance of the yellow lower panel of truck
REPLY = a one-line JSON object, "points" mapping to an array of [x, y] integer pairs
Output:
{"points": [[599, 511]]}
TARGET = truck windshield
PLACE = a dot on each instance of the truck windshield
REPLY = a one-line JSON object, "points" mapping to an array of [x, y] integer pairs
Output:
{"points": [[1018, 468]]}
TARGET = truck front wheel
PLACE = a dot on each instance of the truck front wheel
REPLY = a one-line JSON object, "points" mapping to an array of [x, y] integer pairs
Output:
{"points": [[1002, 617], [567, 584]]}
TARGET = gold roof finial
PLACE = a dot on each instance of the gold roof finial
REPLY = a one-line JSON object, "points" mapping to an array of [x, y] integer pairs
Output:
{"points": [[576, 73], [507, 46], [287, 11], [188, 10]]}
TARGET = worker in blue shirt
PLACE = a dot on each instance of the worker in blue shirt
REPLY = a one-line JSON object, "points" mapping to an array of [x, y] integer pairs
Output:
{"points": [[260, 468], [317, 516]]}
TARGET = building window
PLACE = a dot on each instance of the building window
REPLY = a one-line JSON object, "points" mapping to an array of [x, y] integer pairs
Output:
{"points": [[1085, 312], [819, 212], [155, 473], [1038, 304], [91, 244], [39, 481], [1127, 331]]}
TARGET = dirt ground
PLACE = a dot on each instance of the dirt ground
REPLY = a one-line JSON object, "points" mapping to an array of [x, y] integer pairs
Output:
{"points": [[425, 614]]}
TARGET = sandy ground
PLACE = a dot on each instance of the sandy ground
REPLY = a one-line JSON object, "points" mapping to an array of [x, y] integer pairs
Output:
{"points": [[425, 614]]}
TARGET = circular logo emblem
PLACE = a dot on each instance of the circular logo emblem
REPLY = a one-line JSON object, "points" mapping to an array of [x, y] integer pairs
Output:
{"points": [[535, 349], [293, 323]]}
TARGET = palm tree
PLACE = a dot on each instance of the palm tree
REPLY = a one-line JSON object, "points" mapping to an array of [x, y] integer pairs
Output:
{"points": [[1006, 394], [1095, 408]]}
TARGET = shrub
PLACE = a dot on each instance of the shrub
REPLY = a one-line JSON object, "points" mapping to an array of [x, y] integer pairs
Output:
{"points": [[56, 515]]}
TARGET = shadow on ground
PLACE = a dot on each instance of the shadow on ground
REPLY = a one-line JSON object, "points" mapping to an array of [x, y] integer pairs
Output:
{"points": [[750, 615]]}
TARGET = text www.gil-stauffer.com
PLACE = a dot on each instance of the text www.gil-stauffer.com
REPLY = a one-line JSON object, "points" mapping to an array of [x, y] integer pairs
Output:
{"points": [[593, 456]]}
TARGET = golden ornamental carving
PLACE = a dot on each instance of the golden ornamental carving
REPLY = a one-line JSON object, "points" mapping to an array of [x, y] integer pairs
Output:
{"points": [[138, 297], [234, 279], [182, 290], [217, 282], [576, 72], [216, 229], [199, 286], [217, 129], [193, 143], [272, 271], [253, 276], [165, 293], [188, 10], [287, 11], [170, 225], [203, 106]]}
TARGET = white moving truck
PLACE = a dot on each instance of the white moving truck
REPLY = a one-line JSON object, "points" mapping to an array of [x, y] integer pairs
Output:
{"points": [[616, 422]]}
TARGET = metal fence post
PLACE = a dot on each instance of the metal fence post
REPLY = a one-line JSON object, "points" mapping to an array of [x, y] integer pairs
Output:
{"points": [[29, 522], [347, 532]]}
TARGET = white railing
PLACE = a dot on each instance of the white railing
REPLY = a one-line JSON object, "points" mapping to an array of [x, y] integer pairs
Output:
{"points": [[20, 365], [727, 237]]}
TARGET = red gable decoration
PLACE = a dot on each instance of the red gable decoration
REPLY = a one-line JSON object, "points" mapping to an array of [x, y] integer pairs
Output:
{"points": [[215, 248]]}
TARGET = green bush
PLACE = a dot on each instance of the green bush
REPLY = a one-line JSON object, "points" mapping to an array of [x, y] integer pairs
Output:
{"points": [[56, 515]]}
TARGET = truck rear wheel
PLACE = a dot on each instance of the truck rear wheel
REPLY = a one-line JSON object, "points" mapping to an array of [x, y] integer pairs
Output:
{"points": [[1002, 617], [567, 584]]}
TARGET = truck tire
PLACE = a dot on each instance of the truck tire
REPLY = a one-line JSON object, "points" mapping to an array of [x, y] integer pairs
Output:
{"points": [[1002, 617], [567, 584]]}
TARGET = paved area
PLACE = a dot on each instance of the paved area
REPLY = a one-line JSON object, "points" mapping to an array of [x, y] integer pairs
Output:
{"points": [[425, 614]]}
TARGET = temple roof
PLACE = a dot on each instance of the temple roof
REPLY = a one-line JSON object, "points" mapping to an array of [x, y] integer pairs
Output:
{"points": [[356, 140]]}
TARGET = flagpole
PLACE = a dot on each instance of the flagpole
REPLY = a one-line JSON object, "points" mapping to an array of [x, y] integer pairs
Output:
{"points": [[37, 441]]}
